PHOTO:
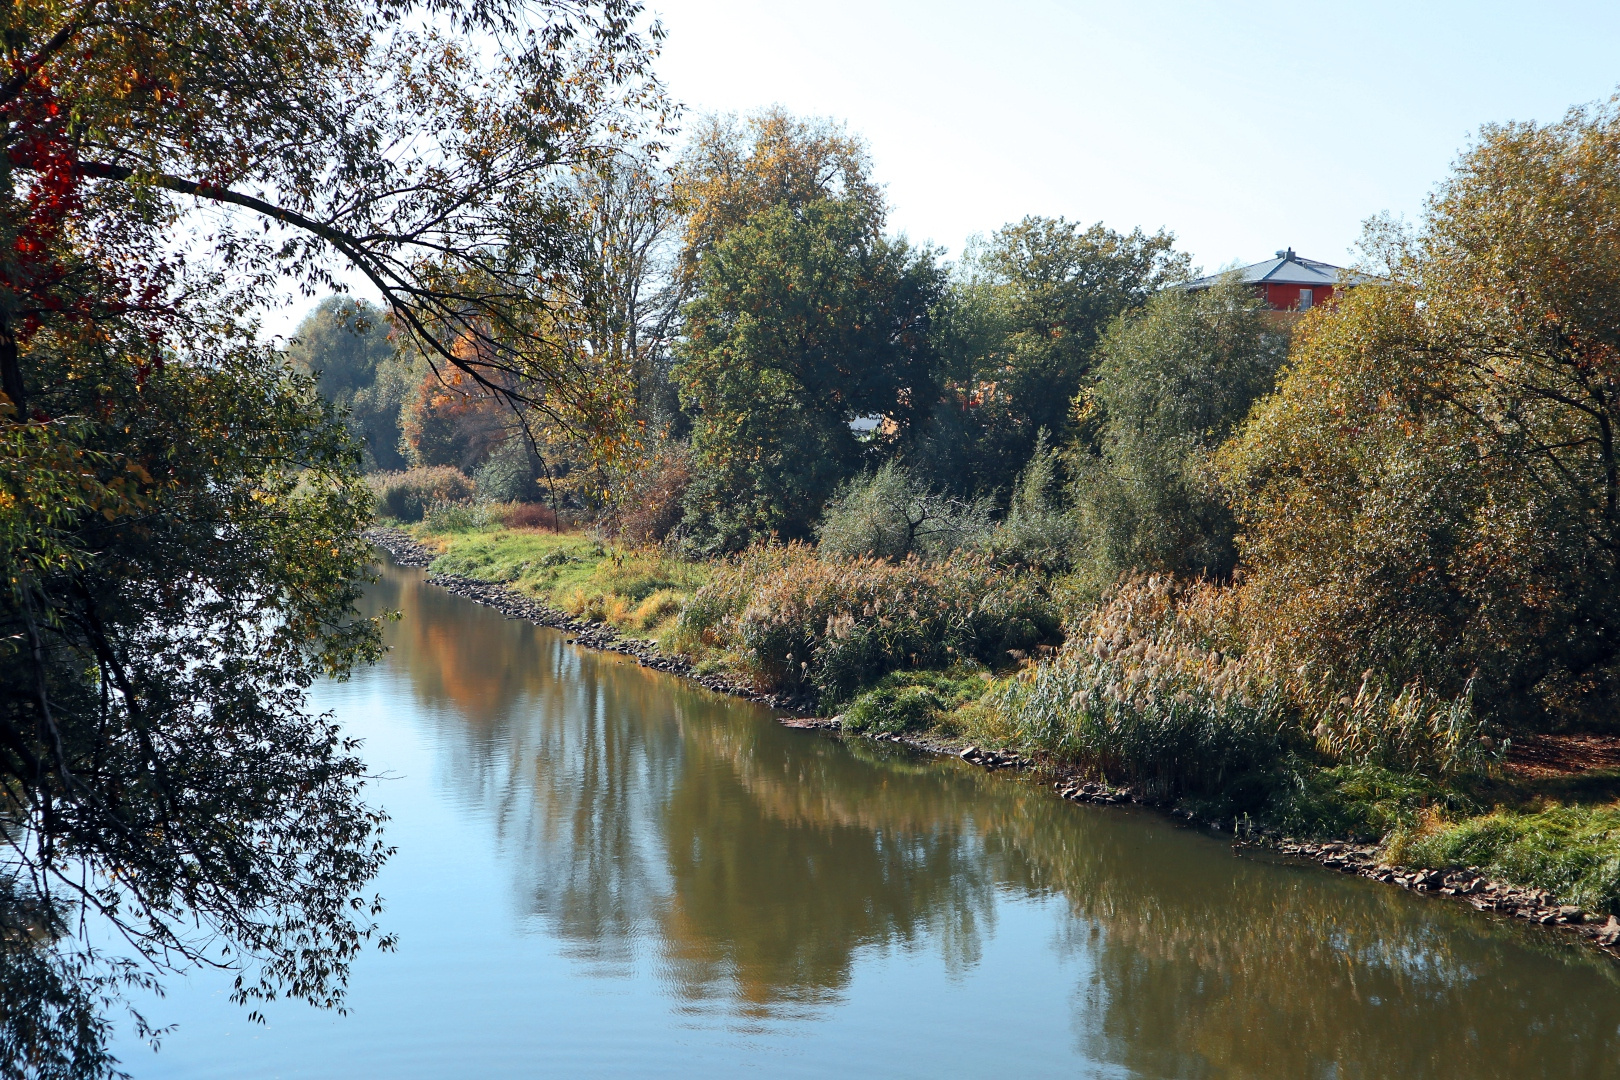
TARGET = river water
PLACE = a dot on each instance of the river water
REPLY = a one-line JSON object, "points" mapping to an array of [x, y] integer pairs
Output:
{"points": [[604, 871]]}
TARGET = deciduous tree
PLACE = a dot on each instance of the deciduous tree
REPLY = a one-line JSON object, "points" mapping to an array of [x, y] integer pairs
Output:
{"points": [[1434, 491], [179, 511], [804, 320], [1017, 333]]}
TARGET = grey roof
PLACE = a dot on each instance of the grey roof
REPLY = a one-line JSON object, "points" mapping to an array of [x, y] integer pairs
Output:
{"points": [[1287, 269]]}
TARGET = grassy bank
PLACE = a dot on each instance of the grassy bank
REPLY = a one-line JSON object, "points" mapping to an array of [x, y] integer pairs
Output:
{"points": [[638, 591], [1144, 691]]}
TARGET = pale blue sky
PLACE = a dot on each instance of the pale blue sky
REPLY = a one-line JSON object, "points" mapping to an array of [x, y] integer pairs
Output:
{"points": [[1241, 127]]}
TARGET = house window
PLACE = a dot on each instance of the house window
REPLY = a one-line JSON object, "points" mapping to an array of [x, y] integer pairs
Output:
{"points": [[1305, 298]]}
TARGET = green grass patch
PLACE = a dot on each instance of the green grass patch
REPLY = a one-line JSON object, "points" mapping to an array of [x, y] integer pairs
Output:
{"points": [[1571, 851], [639, 591], [905, 701]]}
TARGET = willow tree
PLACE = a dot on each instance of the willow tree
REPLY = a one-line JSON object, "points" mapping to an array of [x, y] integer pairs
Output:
{"points": [[178, 511]]}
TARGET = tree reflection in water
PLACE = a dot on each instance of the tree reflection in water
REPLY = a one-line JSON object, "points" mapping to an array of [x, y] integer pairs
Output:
{"points": [[757, 864]]}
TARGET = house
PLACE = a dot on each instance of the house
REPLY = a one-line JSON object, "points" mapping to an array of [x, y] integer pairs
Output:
{"points": [[1290, 283]]}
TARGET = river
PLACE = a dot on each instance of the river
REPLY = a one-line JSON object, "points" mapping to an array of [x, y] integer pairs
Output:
{"points": [[604, 871]]}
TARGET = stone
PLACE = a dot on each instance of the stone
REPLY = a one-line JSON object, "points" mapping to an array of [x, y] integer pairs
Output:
{"points": [[1570, 913], [1610, 934]]}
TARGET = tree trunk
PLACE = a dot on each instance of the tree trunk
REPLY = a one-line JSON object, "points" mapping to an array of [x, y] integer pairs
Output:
{"points": [[11, 381]]}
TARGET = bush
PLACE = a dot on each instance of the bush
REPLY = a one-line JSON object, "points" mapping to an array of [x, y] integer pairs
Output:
{"points": [[1040, 531], [1573, 852], [530, 516], [647, 501], [406, 496], [798, 622], [890, 515], [508, 474]]}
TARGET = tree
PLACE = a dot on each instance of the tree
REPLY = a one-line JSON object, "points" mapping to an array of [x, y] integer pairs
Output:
{"points": [[888, 514], [735, 169], [344, 345], [1172, 380], [1016, 337], [804, 320], [617, 302], [179, 568], [309, 118], [1434, 493], [179, 511]]}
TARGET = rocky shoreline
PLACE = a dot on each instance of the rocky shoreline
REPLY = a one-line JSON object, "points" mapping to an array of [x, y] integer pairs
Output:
{"points": [[1465, 886]]}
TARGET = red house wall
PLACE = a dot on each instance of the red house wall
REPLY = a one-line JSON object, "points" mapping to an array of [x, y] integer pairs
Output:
{"points": [[1286, 297]]}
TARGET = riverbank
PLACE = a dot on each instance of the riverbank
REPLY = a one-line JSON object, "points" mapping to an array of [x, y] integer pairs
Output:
{"points": [[407, 550], [1521, 811]]}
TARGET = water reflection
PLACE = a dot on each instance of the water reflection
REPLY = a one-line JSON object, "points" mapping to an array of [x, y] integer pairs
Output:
{"points": [[756, 867]]}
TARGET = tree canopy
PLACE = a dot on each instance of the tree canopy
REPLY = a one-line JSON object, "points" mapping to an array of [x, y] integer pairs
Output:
{"points": [[1434, 490], [180, 511], [344, 344], [806, 319], [1172, 380], [1017, 333]]}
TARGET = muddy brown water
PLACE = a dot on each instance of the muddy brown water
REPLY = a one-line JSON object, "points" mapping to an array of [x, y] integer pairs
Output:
{"points": [[604, 871]]}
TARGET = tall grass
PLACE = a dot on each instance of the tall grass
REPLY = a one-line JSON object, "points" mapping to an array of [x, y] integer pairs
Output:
{"points": [[407, 496], [800, 623], [1407, 728], [446, 516], [1161, 685], [1142, 692]]}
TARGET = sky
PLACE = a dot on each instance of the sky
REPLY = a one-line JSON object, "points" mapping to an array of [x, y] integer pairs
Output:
{"points": [[1243, 128]]}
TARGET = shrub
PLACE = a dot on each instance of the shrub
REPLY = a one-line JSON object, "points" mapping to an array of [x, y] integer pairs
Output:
{"points": [[798, 622], [890, 515], [508, 474], [446, 516], [529, 516], [407, 495], [1040, 531], [647, 501]]}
